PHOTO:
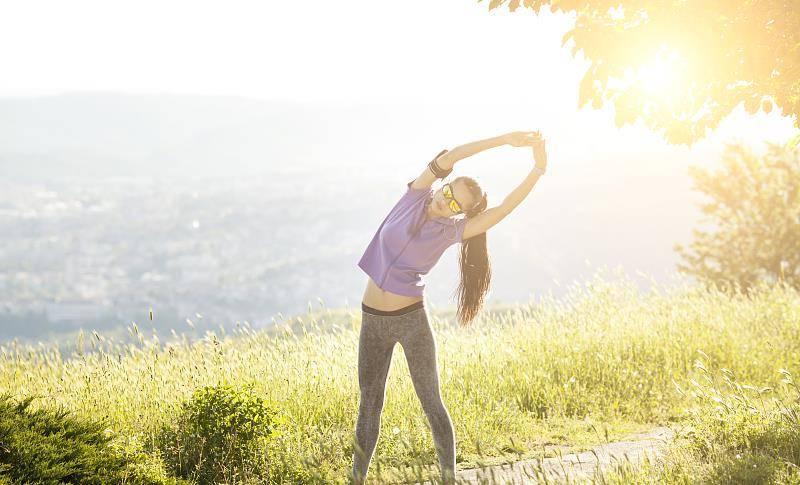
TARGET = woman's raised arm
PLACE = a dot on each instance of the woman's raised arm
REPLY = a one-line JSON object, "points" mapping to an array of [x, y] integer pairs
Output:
{"points": [[461, 152], [488, 218], [517, 195], [514, 138]]}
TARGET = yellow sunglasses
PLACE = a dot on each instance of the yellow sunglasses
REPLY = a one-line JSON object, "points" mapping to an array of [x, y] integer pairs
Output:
{"points": [[454, 206]]}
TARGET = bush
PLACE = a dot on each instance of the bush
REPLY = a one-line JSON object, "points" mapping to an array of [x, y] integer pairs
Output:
{"points": [[220, 435], [754, 207], [46, 446]]}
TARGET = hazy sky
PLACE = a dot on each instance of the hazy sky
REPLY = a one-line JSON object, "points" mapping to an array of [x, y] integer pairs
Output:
{"points": [[430, 51], [309, 50], [442, 51]]}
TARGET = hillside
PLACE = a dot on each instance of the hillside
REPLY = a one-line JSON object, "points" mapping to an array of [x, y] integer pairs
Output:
{"points": [[604, 361]]}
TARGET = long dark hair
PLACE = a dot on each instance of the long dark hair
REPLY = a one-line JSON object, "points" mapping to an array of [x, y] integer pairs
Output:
{"points": [[476, 271]]}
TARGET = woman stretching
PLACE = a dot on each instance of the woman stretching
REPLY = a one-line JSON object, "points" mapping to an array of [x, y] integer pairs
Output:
{"points": [[406, 246]]}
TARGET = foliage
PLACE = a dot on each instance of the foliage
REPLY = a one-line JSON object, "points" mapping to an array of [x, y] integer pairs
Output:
{"points": [[756, 209], [219, 435], [605, 354], [681, 67], [45, 446]]}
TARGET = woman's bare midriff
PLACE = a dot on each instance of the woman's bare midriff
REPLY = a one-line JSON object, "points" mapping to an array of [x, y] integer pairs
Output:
{"points": [[380, 299]]}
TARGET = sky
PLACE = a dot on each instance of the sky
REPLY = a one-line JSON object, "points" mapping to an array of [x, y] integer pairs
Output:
{"points": [[447, 50], [455, 52], [436, 52]]}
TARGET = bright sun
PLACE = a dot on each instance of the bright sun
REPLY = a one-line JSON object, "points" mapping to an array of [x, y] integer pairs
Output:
{"points": [[661, 76]]}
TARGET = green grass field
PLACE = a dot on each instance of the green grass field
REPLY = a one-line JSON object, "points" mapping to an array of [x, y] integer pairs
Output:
{"points": [[599, 363]]}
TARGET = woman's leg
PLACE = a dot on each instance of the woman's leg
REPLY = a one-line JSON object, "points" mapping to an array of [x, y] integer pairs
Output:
{"points": [[419, 347], [375, 345]]}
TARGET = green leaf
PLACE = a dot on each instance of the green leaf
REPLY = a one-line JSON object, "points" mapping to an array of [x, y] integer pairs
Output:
{"points": [[749, 52], [793, 142], [751, 105], [585, 90]]}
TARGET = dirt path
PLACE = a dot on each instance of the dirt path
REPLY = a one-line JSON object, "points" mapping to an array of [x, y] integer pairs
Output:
{"points": [[573, 466]]}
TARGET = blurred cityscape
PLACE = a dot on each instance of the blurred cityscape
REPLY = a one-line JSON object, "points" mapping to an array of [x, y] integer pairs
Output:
{"points": [[100, 253]]}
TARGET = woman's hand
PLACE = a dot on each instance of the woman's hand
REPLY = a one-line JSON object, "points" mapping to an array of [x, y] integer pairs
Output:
{"points": [[521, 138], [539, 152]]}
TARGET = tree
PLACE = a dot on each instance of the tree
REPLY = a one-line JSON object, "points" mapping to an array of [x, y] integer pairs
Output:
{"points": [[680, 66], [756, 207]]}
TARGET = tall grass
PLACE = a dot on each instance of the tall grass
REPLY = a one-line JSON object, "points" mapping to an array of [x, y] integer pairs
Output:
{"points": [[736, 433], [604, 356]]}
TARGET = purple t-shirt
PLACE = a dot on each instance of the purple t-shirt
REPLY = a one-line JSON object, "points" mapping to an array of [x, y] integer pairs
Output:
{"points": [[396, 258]]}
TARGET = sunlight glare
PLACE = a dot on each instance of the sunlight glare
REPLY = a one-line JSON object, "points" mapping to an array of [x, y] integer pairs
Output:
{"points": [[660, 76]]}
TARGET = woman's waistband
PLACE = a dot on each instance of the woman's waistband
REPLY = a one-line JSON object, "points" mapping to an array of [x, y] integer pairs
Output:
{"points": [[399, 311]]}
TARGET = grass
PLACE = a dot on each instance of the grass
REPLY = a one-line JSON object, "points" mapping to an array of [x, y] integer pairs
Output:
{"points": [[604, 360], [737, 433]]}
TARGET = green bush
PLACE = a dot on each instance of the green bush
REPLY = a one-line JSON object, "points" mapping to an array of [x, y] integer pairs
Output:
{"points": [[755, 230], [220, 435], [47, 447]]}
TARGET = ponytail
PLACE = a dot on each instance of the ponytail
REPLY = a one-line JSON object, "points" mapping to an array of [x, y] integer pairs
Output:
{"points": [[476, 272]]}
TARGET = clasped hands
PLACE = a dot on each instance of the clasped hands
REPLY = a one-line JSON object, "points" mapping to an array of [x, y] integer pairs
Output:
{"points": [[532, 139]]}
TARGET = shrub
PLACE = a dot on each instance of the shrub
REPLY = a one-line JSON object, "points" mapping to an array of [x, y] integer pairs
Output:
{"points": [[220, 434], [754, 210], [45, 446]]}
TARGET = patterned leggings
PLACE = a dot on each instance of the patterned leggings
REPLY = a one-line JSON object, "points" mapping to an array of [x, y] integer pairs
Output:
{"points": [[380, 330]]}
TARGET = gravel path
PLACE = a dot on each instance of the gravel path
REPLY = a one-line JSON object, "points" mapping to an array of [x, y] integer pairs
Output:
{"points": [[573, 466]]}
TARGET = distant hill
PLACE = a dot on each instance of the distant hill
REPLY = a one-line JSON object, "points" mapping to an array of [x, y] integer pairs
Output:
{"points": [[112, 134]]}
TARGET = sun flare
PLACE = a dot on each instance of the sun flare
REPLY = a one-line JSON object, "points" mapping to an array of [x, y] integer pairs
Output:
{"points": [[661, 76]]}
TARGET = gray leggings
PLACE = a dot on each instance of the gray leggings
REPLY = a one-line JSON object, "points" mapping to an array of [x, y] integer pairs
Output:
{"points": [[379, 333]]}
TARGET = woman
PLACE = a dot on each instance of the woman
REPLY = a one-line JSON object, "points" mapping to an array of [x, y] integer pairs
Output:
{"points": [[406, 246]]}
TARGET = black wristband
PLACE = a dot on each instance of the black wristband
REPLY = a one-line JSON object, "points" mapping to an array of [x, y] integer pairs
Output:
{"points": [[438, 171]]}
